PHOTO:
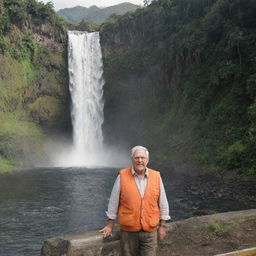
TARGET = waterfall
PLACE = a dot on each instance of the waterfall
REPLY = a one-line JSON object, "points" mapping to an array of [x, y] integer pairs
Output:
{"points": [[86, 88]]}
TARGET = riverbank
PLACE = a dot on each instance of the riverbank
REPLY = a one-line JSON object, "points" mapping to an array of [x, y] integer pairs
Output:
{"points": [[200, 236]]}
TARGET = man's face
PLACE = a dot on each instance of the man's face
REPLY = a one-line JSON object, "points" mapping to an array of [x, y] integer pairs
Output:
{"points": [[140, 160]]}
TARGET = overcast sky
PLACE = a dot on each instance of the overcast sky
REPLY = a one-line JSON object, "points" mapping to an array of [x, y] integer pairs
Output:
{"points": [[60, 4]]}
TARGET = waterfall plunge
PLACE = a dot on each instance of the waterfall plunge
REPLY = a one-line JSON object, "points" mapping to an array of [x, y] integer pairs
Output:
{"points": [[86, 87]]}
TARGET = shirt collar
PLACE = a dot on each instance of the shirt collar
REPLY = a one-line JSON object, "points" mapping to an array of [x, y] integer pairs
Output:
{"points": [[134, 173]]}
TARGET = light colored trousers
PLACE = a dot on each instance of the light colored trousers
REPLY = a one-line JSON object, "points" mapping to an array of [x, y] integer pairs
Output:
{"points": [[139, 243]]}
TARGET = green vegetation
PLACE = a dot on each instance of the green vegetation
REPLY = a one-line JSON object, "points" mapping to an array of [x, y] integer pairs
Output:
{"points": [[5, 165], [180, 78], [218, 229], [33, 79], [215, 229], [95, 14]]}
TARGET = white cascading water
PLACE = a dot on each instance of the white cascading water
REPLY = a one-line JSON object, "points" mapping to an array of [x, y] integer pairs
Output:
{"points": [[86, 87]]}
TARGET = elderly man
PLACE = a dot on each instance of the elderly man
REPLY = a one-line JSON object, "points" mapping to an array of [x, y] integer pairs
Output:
{"points": [[139, 199]]}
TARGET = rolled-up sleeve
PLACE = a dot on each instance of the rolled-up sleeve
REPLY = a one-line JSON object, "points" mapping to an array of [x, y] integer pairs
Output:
{"points": [[114, 200], [163, 203]]}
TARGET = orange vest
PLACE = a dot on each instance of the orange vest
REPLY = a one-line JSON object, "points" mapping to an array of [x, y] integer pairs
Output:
{"points": [[136, 213]]}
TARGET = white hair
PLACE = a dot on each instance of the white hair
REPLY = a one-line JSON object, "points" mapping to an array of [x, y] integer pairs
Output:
{"points": [[139, 147]]}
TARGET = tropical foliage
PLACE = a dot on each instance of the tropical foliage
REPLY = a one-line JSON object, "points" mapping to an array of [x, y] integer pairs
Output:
{"points": [[33, 79]]}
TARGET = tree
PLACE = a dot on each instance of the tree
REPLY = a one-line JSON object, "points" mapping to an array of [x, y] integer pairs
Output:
{"points": [[146, 2]]}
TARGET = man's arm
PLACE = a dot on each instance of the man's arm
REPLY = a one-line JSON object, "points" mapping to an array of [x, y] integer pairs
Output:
{"points": [[112, 209], [163, 203], [164, 212]]}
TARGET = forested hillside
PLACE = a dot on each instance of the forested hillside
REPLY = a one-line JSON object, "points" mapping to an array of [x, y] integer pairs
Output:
{"points": [[33, 80], [181, 79], [95, 14]]}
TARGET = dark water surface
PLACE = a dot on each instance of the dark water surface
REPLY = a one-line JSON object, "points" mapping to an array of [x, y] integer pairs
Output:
{"points": [[43, 203]]}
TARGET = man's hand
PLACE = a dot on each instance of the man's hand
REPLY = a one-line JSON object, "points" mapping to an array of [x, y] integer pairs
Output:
{"points": [[161, 233], [107, 230]]}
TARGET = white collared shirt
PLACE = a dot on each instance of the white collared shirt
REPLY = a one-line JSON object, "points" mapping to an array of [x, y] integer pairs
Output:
{"points": [[141, 184]]}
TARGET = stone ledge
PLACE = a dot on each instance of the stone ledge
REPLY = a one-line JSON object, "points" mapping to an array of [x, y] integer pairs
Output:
{"points": [[84, 244]]}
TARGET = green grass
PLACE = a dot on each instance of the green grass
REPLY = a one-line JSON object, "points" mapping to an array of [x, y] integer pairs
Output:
{"points": [[217, 229]]}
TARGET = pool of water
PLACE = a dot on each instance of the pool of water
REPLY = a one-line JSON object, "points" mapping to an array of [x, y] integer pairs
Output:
{"points": [[43, 203]]}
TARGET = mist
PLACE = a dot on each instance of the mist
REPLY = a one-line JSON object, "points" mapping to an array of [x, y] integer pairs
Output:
{"points": [[61, 153]]}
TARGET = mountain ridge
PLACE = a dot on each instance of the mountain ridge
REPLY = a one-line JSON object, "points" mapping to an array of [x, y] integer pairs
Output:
{"points": [[95, 14]]}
